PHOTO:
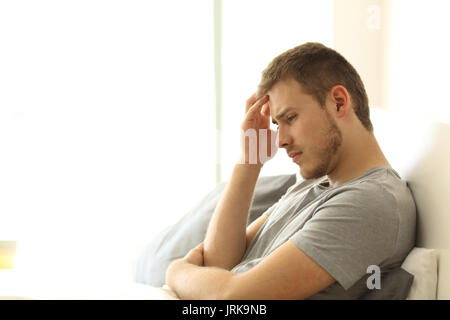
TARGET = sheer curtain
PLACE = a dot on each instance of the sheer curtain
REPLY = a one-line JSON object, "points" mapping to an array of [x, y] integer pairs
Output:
{"points": [[106, 127]]}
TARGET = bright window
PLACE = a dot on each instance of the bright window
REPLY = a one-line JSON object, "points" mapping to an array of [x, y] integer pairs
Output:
{"points": [[106, 126], [107, 117]]}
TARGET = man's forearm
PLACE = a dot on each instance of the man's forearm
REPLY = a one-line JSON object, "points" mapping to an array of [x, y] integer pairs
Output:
{"points": [[225, 241], [193, 282]]}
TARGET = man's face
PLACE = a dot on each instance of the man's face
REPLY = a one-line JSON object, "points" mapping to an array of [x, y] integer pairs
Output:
{"points": [[304, 127]]}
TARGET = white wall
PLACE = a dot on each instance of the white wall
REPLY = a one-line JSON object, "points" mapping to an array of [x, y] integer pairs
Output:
{"points": [[420, 58], [401, 51], [361, 34]]}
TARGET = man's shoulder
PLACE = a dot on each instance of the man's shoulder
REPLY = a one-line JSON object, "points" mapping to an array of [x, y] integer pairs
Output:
{"points": [[383, 193], [379, 182]]}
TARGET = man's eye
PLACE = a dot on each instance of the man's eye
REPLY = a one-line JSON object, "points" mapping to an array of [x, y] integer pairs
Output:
{"points": [[290, 118]]}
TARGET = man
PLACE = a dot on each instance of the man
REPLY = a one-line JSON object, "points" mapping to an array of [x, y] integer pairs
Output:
{"points": [[352, 211]]}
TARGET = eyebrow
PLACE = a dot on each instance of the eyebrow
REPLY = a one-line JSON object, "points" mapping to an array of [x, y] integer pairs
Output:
{"points": [[282, 114]]}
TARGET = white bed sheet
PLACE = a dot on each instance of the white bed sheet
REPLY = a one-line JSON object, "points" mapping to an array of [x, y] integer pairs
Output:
{"points": [[19, 286]]}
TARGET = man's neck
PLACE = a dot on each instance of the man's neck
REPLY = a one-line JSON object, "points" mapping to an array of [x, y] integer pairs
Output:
{"points": [[361, 155]]}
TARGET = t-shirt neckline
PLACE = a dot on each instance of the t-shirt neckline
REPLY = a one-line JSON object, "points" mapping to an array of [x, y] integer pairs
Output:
{"points": [[325, 180]]}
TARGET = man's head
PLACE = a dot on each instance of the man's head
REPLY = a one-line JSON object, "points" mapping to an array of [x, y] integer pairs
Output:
{"points": [[317, 99], [318, 69]]}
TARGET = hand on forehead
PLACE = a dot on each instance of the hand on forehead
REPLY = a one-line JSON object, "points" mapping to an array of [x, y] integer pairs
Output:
{"points": [[266, 108]]}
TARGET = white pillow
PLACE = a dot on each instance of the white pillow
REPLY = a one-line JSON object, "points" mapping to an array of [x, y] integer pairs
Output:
{"points": [[422, 263]]}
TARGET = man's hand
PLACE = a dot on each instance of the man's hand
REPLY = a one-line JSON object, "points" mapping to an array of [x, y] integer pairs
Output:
{"points": [[257, 113], [190, 279], [195, 256], [256, 128], [176, 267]]}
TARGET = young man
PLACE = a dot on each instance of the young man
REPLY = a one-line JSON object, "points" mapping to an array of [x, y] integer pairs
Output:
{"points": [[351, 212]]}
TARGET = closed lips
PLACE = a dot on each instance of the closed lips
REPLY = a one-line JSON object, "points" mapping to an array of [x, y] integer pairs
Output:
{"points": [[293, 154]]}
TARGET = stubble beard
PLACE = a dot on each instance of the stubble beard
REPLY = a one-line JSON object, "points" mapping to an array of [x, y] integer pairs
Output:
{"points": [[333, 137]]}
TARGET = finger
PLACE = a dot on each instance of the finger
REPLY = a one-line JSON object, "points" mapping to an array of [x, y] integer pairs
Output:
{"points": [[266, 110], [250, 101], [256, 107], [199, 247]]}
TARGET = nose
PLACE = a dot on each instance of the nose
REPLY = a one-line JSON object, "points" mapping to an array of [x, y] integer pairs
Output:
{"points": [[284, 139]]}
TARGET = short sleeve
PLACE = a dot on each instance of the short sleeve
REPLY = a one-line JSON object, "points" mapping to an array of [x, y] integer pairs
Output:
{"points": [[353, 229]]}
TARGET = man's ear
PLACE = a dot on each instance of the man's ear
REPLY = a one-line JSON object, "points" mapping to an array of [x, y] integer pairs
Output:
{"points": [[340, 98]]}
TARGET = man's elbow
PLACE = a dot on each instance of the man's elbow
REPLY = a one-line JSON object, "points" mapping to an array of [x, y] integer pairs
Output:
{"points": [[218, 264], [222, 257]]}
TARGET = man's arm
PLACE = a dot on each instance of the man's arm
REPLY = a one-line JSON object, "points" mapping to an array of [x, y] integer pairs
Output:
{"points": [[254, 227], [287, 273], [225, 242]]}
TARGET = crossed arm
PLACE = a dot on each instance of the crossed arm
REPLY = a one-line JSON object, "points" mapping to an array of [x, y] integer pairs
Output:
{"points": [[287, 273]]}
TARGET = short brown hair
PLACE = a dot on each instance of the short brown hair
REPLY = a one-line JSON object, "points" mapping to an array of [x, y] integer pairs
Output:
{"points": [[318, 68]]}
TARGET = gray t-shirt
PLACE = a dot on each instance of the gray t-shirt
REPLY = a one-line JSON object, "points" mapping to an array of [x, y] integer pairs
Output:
{"points": [[369, 220]]}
